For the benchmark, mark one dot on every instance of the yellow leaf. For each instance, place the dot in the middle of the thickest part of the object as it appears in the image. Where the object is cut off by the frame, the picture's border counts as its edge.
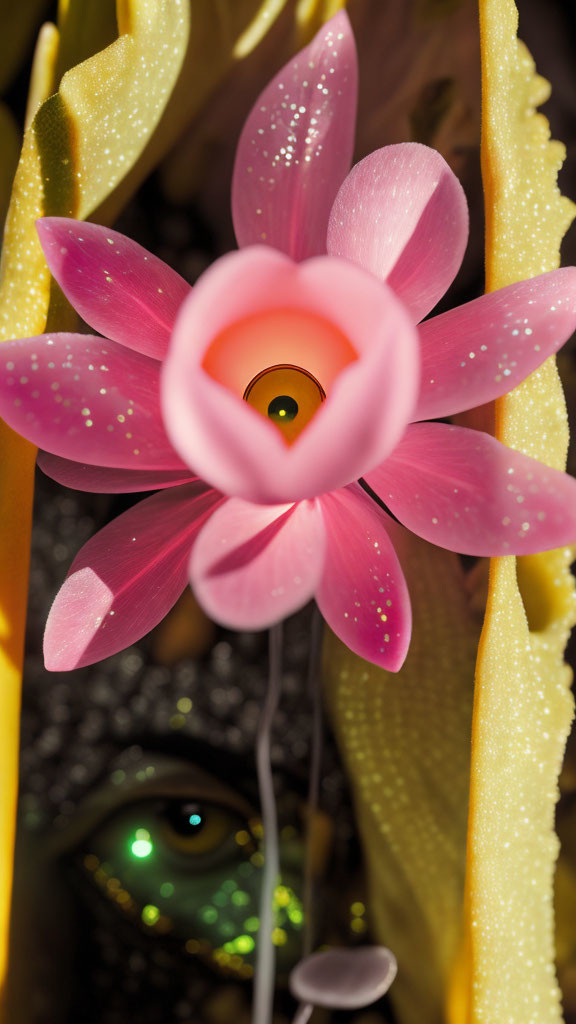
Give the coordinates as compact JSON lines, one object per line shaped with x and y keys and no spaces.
{"x":43,"y":75}
{"x":523,"y":707}
{"x":405,"y":739}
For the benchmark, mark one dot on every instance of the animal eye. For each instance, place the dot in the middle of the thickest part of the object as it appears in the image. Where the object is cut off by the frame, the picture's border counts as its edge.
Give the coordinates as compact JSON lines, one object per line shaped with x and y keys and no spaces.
{"x":191,"y":869}
{"x":288,"y":395}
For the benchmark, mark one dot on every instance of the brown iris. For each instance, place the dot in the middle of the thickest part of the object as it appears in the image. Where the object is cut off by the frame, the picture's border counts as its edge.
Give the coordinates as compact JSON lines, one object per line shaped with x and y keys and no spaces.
{"x":287,"y":395}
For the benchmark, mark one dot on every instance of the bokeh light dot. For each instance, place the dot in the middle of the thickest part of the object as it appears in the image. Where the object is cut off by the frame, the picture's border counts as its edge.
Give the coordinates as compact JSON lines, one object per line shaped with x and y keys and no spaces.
{"x":150,"y":914}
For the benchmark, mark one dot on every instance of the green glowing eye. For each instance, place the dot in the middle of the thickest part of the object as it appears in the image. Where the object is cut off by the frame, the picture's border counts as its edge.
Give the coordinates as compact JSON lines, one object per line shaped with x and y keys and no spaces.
{"x":283,"y":409}
{"x":189,"y":867}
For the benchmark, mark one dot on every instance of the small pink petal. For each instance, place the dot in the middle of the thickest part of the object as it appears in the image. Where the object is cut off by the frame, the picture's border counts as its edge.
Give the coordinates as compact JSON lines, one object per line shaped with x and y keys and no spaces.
{"x":253,"y":565}
{"x":483,"y":349}
{"x":101,"y":480}
{"x":86,"y":399}
{"x":296,"y":146}
{"x":126,"y":578}
{"x":239,"y":450}
{"x":402,"y":214}
{"x":465,"y":491}
{"x":363,"y":595}
{"x":116,"y":286}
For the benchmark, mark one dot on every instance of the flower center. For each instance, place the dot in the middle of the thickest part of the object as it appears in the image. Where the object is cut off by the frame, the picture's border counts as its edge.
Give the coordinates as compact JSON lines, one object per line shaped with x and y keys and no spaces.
{"x":288,"y":395}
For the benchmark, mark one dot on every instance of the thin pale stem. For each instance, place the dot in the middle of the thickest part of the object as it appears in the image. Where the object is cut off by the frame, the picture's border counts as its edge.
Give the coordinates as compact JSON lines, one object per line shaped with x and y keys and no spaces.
{"x":303,"y":1013}
{"x":263,"y":1000}
{"x":315,"y":691}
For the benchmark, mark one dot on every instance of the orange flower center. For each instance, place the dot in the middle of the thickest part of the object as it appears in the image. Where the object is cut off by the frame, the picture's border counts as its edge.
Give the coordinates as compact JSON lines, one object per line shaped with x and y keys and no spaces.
{"x":282,"y":362}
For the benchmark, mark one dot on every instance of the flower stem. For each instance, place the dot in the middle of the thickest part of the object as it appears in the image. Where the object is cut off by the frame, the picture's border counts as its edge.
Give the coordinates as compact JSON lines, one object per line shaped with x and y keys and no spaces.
{"x":314,"y":690}
{"x":303,"y":1013}
{"x":263,"y":1000}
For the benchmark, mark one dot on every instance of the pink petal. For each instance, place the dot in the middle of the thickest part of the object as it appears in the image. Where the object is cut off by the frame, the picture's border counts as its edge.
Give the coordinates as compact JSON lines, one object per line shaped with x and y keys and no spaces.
{"x":296,"y":146}
{"x":481,"y":350}
{"x":126,"y":578}
{"x":116,"y":286}
{"x":363,"y":595}
{"x":402,"y":214}
{"x":87,"y":399}
{"x":254,"y":565}
{"x":465,"y":491}
{"x":239,"y":450}
{"x":101,"y":480}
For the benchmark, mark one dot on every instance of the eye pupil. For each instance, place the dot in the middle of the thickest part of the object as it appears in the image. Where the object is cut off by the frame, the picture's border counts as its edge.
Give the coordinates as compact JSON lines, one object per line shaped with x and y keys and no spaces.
{"x":287,"y":395}
{"x":186,"y":818}
{"x":283,"y":409}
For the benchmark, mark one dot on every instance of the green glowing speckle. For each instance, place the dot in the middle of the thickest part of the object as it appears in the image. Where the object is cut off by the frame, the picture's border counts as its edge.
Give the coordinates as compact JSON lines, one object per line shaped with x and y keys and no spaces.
{"x":252,"y":924}
{"x":209,"y":915}
{"x":150,"y":914}
{"x":195,"y":819}
{"x":296,"y":917}
{"x":229,"y":885}
{"x":240,"y":898}
{"x":141,"y":846}
{"x":220,"y":899}
{"x":282,"y":895}
{"x":166,"y":890}
{"x":244,"y":944}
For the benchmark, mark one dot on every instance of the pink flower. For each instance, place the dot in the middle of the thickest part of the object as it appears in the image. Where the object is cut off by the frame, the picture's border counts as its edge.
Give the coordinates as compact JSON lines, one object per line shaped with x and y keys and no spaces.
{"x":290,"y":376}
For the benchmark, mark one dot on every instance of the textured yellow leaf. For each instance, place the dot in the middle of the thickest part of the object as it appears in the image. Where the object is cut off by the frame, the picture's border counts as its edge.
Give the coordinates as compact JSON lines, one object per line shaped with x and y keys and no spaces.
{"x":522,"y":707}
{"x":405,"y":739}
{"x":81,"y":143}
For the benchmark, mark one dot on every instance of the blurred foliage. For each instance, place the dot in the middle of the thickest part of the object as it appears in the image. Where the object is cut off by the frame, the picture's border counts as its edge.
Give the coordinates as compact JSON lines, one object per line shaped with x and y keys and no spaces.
{"x":19,"y":23}
{"x":405,"y":739}
{"x":419,"y":79}
{"x":10,"y":148}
